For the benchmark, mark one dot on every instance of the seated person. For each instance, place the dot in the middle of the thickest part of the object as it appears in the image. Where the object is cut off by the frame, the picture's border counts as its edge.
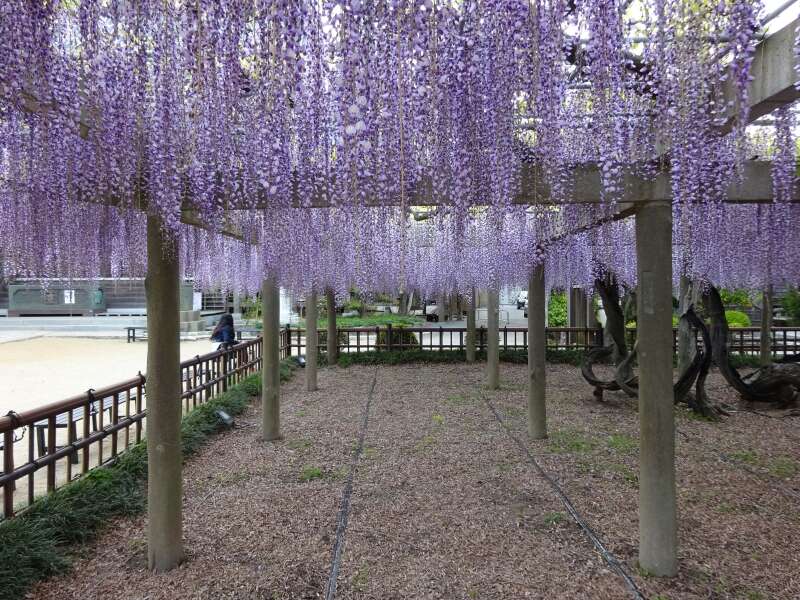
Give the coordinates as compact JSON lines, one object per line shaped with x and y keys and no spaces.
{"x":224,"y":332}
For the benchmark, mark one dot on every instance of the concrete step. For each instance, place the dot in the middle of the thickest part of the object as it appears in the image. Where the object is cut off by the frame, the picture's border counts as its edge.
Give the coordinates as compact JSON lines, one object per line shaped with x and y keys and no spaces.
{"x":189,"y":315}
{"x":70,"y":323}
{"x":193,"y":326}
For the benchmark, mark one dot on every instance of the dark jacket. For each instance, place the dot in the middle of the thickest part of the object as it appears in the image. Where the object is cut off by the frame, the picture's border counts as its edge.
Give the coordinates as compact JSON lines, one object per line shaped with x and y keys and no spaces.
{"x":224,"y":331}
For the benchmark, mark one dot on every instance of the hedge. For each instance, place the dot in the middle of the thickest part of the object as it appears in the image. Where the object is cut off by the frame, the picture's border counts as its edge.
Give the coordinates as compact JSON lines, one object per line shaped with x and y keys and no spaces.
{"x":572,"y":357}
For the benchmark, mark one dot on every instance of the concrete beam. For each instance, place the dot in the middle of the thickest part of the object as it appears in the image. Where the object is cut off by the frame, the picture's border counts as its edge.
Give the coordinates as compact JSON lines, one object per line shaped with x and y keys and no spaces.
{"x":774,"y":75}
{"x":164,"y":457}
{"x":657,"y":511}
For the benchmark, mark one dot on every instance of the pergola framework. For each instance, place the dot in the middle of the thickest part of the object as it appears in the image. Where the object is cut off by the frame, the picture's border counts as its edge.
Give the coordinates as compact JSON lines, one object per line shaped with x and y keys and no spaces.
{"x":648,"y":198}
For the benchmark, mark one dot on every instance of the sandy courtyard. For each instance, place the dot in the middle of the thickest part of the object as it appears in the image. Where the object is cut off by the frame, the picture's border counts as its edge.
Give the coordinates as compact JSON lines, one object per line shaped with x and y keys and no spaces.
{"x":46,"y":369}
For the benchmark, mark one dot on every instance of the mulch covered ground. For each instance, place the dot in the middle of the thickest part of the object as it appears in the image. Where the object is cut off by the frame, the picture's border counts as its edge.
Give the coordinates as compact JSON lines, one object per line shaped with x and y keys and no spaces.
{"x":446,"y":505}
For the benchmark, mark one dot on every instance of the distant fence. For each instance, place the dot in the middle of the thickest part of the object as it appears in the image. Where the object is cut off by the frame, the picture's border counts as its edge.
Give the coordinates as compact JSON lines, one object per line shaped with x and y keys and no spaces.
{"x":50,"y":446}
{"x":741,"y":340}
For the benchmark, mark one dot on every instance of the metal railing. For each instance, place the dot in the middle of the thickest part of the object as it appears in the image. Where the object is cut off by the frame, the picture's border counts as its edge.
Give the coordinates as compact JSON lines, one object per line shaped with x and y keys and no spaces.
{"x":366,"y":339}
{"x":51,"y":445}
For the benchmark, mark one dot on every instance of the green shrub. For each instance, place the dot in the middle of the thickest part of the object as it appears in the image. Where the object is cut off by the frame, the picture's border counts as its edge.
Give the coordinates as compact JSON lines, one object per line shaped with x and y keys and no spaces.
{"x":346,"y":359}
{"x":374,"y":320}
{"x":322,"y":338}
{"x":399,"y":336}
{"x":791,"y":305}
{"x":737,"y":318}
{"x":557,"y":310}
{"x":36,"y":544}
{"x":738,"y":297}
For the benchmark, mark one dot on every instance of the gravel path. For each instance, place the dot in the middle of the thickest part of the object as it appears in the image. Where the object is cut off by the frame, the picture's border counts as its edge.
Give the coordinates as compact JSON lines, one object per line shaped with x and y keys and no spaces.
{"x":445,"y":505}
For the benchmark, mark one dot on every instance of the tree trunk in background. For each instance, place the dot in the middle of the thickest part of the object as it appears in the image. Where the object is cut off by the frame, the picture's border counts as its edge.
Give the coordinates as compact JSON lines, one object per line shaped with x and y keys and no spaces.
{"x":402,"y":304}
{"x":686,"y":342}
{"x":766,"y":327}
{"x":333,"y":342}
{"x":471,"y":337}
{"x":493,"y":341}
{"x":440,"y":308}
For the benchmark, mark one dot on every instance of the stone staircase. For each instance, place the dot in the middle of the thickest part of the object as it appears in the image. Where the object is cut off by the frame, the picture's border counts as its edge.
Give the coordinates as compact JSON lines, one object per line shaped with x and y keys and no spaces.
{"x":192,"y":322}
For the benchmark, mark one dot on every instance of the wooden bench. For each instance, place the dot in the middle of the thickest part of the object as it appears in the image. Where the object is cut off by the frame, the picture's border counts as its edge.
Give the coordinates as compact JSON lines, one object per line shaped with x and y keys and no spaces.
{"x":132,"y":333}
{"x":62,"y":421}
{"x":251,"y":333}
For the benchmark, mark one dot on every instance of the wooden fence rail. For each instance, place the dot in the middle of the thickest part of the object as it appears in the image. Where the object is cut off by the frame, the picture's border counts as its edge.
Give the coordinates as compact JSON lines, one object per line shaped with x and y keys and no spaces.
{"x":51,"y":445}
{"x":742,"y":340}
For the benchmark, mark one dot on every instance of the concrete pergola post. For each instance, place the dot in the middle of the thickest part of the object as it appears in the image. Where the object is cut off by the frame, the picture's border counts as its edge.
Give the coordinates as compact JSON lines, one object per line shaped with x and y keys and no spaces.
{"x":333,"y":341}
{"x":493,"y":341}
{"x":657,"y":511}
{"x":471,"y":339}
{"x":164,"y":460}
{"x":311,"y":341}
{"x":270,"y":369}
{"x":766,"y":327}
{"x":537,"y":343}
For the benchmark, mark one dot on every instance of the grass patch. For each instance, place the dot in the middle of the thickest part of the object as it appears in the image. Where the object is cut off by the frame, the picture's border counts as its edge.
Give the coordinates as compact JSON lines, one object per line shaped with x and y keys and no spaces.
{"x":426,"y":443}
{"x":782,"y":467}
{"x":694,"y":416}
{"x":299,"y":444}
{"x":569,"y":440}
{"x":745,"y":456}
{"x":227,"y":479}
{"x":643,"y":573}
{"x":628,"y":474}
{"x":460,"y":400}
{"x":438,"y":420}
{"x":622,"y":443}
{"x":515,"y":411}
{"x":39,"y":542}
{"x":310,"y":473}
{"x":359,"y":581}
{"x":552,"y":519}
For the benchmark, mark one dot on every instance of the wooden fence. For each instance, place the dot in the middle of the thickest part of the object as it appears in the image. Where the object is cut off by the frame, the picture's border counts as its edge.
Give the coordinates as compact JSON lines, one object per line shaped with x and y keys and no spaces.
{"x":50,"y":446}
{"x":742,"y":340}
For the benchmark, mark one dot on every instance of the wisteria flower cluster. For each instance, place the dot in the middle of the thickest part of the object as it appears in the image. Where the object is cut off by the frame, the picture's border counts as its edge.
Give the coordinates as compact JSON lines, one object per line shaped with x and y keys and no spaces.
{"x":318,"y":128}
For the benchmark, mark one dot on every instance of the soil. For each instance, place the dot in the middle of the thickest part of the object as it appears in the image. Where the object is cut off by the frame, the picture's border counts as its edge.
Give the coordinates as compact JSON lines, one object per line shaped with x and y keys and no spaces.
{"x":446,"y":505}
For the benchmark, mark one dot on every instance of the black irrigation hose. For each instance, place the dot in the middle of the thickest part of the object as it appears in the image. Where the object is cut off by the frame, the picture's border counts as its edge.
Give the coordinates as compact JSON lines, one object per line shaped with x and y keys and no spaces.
{"x":344,"y":507}
{"x":610,"y":559}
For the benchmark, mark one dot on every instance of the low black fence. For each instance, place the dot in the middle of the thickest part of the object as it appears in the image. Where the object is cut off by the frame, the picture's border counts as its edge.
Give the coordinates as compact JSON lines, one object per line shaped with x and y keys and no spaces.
{"x":741,"y":340}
